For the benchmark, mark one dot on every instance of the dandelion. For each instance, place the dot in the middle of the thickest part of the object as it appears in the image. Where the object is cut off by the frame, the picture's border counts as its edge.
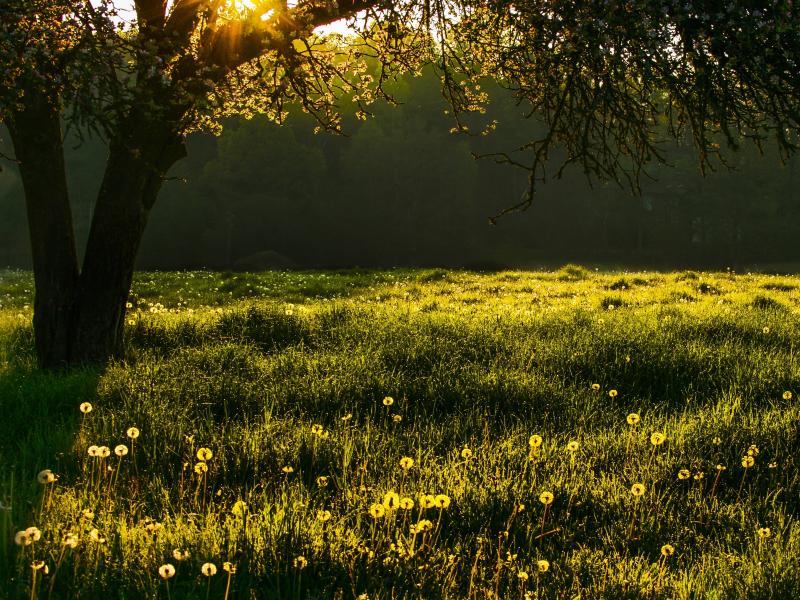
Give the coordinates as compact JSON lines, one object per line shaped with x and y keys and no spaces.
{"x":103,"y":452}
{"x":406,"y":503}
{"x":70,"y":540}
{"x":764,"y":532}
{"x":466,"y":453}
{"x":522,"y":575}
{"x":684,"y":474}
{"x":376,"y":511}
{"x":406,"y":463}
{"x":45,"y":477}
{"x":239,"y":508}
{"x":637,"y":489}
{"x":229,"y":567}
{"x":699,"y":476}
{"x":397,"y":418}
{"x":208,"y":569}
{"x":573,"y":446}
{"x":180,"y":555}
{"x":201,"y":468}
{"x":34,"y":534}
{"x":300,"y":562}
{"x":204,"y":454}
{"x":323,"y":515}
{"x":347,"y":417}
{"x":546,"y":498}
{"x":716,"y":441}
{"x":40,"y":565}
{"x":425,"y":525}
{"x":322,"y":481}
{"x":96,"y":536}
{"x":667,"y":550}
{"x":93,"y":450}
{"x":427,"y":501}
{"x":121,"y":450}
{"x":388,"y":401}
{"x":633,"y":419}
{"x":287,"y":469}
{"x":441,"y":501}
{"x":748,"y":461}
{"x":391,"y":500}
{"x":787,"y":395}
{"x":613,"y":393}
{"x":542,"y":565}
{"x":87,"y":514}
{"x":132,"y":433}
{"x":166,"y":571}
{"x":657,"y":438}
{"x":317,"y":429}
{"x":595,"y":387}
{"x":22,"y":539}
{"x":535,"y":441}
{"x":752,"y":450}
{"x":765,"y":330}
{"x":85,"y":407}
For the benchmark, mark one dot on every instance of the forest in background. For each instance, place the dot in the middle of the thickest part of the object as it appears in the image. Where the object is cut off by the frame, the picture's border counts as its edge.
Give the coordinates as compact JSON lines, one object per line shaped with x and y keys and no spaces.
{"x":402,"y":190}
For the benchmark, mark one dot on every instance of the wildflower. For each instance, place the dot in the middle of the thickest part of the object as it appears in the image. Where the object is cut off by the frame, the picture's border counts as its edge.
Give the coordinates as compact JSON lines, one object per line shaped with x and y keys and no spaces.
{"x":390,"y":500}
{"x":595,"y":387}
{"x":442,"y":501}
{"x":543,"y":565}
{"x":522,"y":575}
{"x":45,"y":477}
{"x":96,"y":536}
{"x":765,"y":330}
{"x":22,"y":539}
{"x":716,"y":441}
{"x":87,"y":514}
{"x":180,"y":554}
{"x":424,"y":525}
{"x":40,"y":565}
{"x":132,"y":433}
{"x":406,"y":463}
{"x":546,"y":498}
{"x":166,"y":571}
{"x":633,"y":419}
{"x":637,"y":489}
{"x":787,"y":395}
{"x":121,"y":450}
{"x":34,"y":534}
{"x":287,"y":469}
{"x":323,"y":515}
{"x":208,"y":569}
{"x":613,"y":393}
{"x":103,"y":452}
{"x":239,"y":508}
{"x":300,"y":562}
{"x":316,"y":429}
{"x":92,"y":450}
{"x":748,"y":461}
{"x":85,"y":407}
{"x":699,"y":475}
{"x":388,"y":401}
{"x":764,"y":532}
{"x":376,"y":511}
{"x":229,"y":567}
{"x":773,"y":465}
{"x":204,"y":454}
{"x":684,"y":474}
{"x":573,"y":446}
{"x":201,"y":468}
{"x":406,"y":503}
{"x":657,"y":438}
{"x":427,"y":501}
{"x":667,"y":550}
{"x":322,"y":481}
{"x":466,"y":453}
{"x":347,"y":417}
{"x":535,"y":441}
{"x":721,"y":467}
{"x":397,"y":418}
{"x":752,"y":450}
{"x":70,"y":540}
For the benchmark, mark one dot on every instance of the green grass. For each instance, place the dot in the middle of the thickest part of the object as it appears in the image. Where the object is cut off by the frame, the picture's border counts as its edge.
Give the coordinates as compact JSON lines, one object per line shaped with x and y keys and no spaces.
{"x":248,"y":366}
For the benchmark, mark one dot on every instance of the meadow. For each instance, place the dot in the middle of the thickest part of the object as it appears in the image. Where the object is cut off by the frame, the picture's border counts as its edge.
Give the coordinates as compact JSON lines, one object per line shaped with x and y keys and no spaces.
{"x":411,"y":434}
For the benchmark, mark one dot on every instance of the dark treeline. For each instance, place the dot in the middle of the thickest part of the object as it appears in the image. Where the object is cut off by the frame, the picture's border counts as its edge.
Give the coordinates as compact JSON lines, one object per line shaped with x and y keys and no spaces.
{"x":402,"y":190}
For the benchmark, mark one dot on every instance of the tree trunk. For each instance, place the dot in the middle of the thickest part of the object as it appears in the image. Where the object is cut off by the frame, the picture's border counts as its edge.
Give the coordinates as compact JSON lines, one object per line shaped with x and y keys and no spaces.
{"x":36,"y":134}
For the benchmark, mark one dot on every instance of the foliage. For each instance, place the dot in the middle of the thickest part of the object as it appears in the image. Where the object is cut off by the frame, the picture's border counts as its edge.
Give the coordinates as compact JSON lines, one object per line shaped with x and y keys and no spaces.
{"x":287,"y":378}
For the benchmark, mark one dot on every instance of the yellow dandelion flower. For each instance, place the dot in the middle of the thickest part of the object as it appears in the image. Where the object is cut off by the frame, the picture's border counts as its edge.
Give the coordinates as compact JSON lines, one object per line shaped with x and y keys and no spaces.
{"x":441,"y":501}
{"x":347,"y":417}
{"x":699,"y":475}
{"x":21,"y":538}
{"x":87,"y":514}
{"x":287,"y":469}
{"x":166,"y":571}
{"x":787,"y":395}
{"x":133,"y":432}
{"x":752,"y":450}
{"x":721,"y":468}
{"x":535,"y":441}
{"x":573,"y":446}
{"x":180,"y":554}
{"x":388,"y":401}
{"x":542,"y":565}
{"x":239,"y":508}
{"x":323,"y":515}
{"x":546,"y":498}
{"x":201,"y":468}
{"x":229,"y":567}
{"x":595,"y":387}
{"x":633,"y":419}
{"x":773,"y":465}
{"x":657,"y":438}
{"x":716,"y":441}
{"x":204,"y":454}
{"x":121,"y":450}
{"x":322,"y":481}
{"x":637,"y":489}
{"x":684,"y":474}
{"x":764,"y":532}
{"x":92,"y":450}
{"x":376,"y":511}
{"x":397,"y":418}
{"x":406,"y":463}
{"x":427,"y":501}
{"x":466,"y":453}
{"x":765,"y":330}
{"x":103,"y":452}
{"x":667,"y":550}
{"x":317,"y":429}
{"x":45,"y":477}
{"x":34,"y":534}
{"x":748,"y":461}
{"x":300,"y":562}
{"x":208,"y":569}
{"x":40,"y":565}
{"x":613,"y":393}
{"x":406,"y":503}
{"x":85,"y":407}
{"x":424,"y":525}
{"x":391,"y":500}
{"x":522,"y":575}
{"x":70,"y":540}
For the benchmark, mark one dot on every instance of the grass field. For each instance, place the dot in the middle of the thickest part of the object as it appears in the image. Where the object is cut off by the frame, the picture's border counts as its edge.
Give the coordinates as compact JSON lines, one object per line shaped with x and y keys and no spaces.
{"x":374,"y":435}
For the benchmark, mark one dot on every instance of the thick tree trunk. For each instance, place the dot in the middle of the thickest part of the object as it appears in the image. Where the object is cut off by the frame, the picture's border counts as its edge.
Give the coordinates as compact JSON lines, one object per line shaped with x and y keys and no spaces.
{"x":36,"y":134}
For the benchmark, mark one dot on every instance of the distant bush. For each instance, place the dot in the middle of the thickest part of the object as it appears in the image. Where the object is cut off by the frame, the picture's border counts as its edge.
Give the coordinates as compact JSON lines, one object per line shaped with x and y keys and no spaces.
{"x":570,"y":272}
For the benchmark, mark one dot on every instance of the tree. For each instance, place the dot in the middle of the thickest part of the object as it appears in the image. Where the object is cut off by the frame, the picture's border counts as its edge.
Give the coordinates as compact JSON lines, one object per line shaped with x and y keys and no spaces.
{"x":603,"y":77}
